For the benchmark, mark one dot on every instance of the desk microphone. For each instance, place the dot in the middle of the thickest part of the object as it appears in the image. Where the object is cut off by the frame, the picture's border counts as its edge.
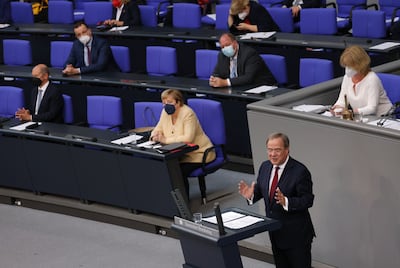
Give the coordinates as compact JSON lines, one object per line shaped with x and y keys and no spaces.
{"x":217,"y":211}
{"x":392,"y":111}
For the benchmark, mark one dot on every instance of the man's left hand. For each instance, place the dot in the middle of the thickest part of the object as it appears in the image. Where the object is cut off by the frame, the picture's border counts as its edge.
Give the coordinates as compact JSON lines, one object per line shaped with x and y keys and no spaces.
{"x":279,"y":197}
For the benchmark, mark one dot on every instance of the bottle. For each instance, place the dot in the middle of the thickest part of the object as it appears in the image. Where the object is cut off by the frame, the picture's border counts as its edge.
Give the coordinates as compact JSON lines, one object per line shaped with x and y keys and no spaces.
{"x":347,"y":114}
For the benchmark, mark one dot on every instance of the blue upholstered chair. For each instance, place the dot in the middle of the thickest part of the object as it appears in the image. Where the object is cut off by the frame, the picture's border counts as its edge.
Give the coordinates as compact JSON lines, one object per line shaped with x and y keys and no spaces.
{"x":222,"y":13}
{"x":345,"y":9}
{"x":277,"y":66}
{"x":11,"y":98}
{"x":318,"y":21}
{"x":122,"y":58}
{"x":391,"y":9}
{"x":369,"y":24}
{"x":61,"y":12}
{"x":147,"y":113}
{"x":148,"y":15}
{"x":79,"y":12}
{"x":391,"y":84}
{"x":59,"y":52}
{"x":211,"y":118}
{"x":68,"y":112}
{"x":17,"y":52}
{"x":186,"y":15}
{"x":271,"y":3}
{"x":206,"y":59}
{"x":96,"y":12}
{"x":161,"y":61}
{"x":104,"y":112}
{"x":283,"y":18}
{"x":161,"y":7}
{"x":21,"y":12}
{"x":314,"y":71}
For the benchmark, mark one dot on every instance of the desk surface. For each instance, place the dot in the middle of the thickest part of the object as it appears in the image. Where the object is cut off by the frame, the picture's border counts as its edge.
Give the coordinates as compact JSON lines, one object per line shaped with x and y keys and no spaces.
{"x":209,"y":34}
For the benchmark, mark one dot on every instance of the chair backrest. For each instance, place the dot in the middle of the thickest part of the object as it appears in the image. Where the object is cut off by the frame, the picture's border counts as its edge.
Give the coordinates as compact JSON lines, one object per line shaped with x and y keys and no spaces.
{"x":369,"y":24}
{"x":277,"y":65}
{"x":17,"y":52}
{"x":161,"y":60}
{"x":211,"y":118}
{"x":221,"y":16}
{"x":68,"y":112}
{"x":147,"y":113}
{"x":61,"y":12}
{"x":390,"y":7}
{"x":96,"y":12}
{"x":59,"y":52}
{"x":148,"y":15}
{"x":104,"y":112}
{"x":345,"y":7}
{"x":186,"y":15}
{"x":283,"y":18}
{"x":391,"y":84}
{"x":270,"y":3}
{"x":318,"y":21}
{"x":122,"y":58}
{"x":206,"y":59}
{"x":21,"y":12}
{"x":11,"y":99}
{"x":314,"y":71}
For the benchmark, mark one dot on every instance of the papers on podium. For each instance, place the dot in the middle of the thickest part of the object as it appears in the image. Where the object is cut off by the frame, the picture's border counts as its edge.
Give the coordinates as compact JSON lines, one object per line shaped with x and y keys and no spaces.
{"x":235,"y":220}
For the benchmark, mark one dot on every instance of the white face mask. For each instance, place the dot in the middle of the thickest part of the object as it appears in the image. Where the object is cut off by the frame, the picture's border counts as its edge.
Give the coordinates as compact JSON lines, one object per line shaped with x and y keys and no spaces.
{"x":84,"y":39}
{"x":350,"y":72}
{"x":242,"y":15}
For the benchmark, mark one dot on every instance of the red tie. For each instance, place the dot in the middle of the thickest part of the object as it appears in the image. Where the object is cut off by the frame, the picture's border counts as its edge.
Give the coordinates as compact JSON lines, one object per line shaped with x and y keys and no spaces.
{"x":274,"y":184}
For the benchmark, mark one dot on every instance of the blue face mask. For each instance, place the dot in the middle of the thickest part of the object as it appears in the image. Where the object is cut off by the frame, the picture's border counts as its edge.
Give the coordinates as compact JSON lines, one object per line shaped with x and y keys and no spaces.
{"x":169,"y":108}
{"x":228,"y":51}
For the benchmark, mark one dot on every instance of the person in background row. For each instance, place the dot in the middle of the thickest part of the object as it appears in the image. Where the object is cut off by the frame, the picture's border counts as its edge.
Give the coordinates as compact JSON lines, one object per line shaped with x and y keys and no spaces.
{"x":285,"y":185}
{"x":125,"y":13}
{"x":178,"y":123}
{"x":297,"y":5}
{"x":5,"y":11}
{"x":363,"y":88}
{"x":89,"y":53}
{"x":239,"y":65}
{"x":46,"y":103}
{"x":247,"y":16}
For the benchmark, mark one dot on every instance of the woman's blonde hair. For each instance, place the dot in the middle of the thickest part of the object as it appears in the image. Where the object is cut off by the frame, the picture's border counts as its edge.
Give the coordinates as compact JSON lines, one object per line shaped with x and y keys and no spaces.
{"x":356,"y":58}
{"x":175,"y":94}
{"x":237,"y":6}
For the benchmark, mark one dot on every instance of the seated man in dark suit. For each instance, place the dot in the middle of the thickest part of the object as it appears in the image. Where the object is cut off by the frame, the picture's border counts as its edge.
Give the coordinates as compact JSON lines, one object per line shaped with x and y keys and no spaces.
{"x":125,"y":13}
{"x":297,"y":5}
{"x":89,"y":53}
{"x":239,"y":65}
{"x":46,"y":103}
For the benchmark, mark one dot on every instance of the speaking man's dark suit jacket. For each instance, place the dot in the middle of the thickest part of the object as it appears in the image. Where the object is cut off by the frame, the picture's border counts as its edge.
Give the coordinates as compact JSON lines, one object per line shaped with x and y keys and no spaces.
{"x":296,"y":184}
{"x":251,"y":68}
{"x":51,"y":107}
{"x":101,"y":56}
{"x":259,"y":16}
{"x":130,"y":14}
{"x":306,"y":3}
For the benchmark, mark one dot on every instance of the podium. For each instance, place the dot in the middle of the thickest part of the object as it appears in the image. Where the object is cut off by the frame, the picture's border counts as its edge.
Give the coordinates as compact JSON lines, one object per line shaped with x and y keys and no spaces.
{"x":204,"y":247}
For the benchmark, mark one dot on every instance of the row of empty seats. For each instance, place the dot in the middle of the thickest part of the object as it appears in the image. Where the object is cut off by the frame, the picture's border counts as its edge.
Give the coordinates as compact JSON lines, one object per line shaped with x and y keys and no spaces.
{"x":162,"y":61}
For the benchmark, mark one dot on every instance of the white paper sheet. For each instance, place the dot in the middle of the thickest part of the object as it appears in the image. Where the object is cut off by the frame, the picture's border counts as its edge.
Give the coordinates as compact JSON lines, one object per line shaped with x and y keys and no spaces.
{"x":23,"y":126}
{"x":257,"y":35}
{"x":310,"y":108}
{"x":385,"y":45}
{"x":261,"y":89}
{"x":4,"y":25}
{"x":122,"y":28}
{"x":392,"y":124}
{"x":234,"y":220}
{"x":127,"y":139}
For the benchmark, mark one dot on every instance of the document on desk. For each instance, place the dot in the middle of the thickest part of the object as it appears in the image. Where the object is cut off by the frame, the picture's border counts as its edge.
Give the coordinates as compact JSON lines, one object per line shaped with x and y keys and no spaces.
{"x":116,"y":29}
{"x":257,"y":35}
{"x":4,"y":25}
{"x":127,"y":139}
{"x":23,"y":126}
{"x":392,"y":124}
{"x":260,"y":89}
{"x":385,"y":45}
{"x":311,"y":108}
{"x":235,"y":220}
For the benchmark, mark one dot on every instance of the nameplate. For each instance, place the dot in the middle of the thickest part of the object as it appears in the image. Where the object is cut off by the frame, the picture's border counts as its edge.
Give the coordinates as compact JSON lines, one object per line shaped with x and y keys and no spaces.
{"x":196,"y":227}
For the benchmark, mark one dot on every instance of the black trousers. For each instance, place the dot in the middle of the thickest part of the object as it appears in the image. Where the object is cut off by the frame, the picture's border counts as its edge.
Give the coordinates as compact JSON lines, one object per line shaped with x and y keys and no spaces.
{"x":299,"y":257}
{"x":186,"y":169}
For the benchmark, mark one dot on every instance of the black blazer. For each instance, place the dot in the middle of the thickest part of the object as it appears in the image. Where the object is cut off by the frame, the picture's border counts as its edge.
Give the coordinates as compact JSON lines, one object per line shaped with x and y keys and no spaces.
{"x":259,"y":16}
{"x":306,"y":3}
{"x":51,"y":107}
{"x":101,"y":56}
{"x":251,"y":68}
{"x":296,"y":184}
{"x":130,"y":14}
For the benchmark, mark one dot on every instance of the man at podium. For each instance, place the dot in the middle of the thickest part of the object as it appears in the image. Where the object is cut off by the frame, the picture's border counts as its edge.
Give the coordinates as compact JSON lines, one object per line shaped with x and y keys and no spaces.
{"x":286,"y":186}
